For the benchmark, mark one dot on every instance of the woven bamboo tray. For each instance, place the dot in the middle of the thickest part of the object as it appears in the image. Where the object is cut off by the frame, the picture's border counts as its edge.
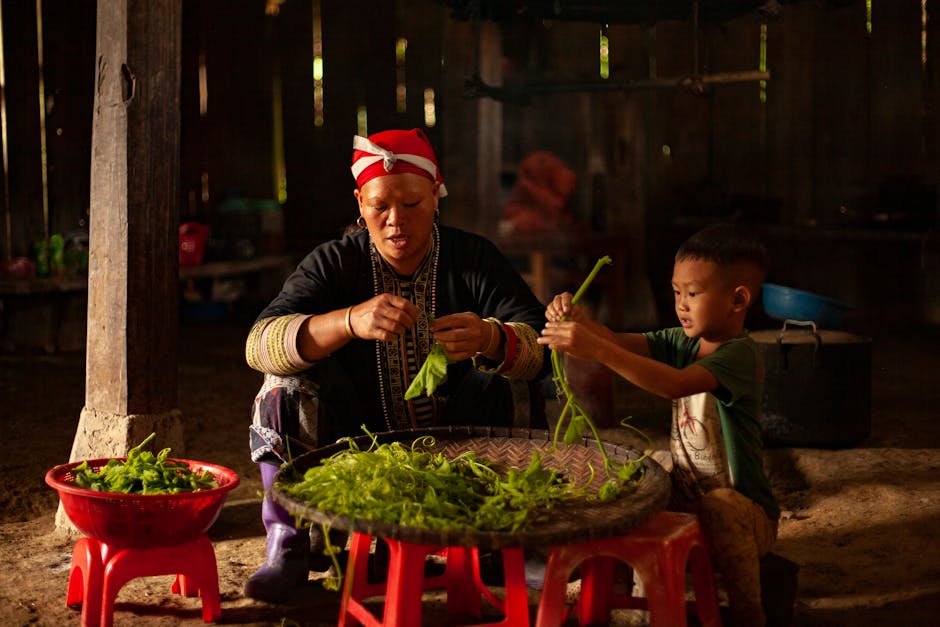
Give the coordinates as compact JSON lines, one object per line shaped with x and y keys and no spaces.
{"x":578,"y":520}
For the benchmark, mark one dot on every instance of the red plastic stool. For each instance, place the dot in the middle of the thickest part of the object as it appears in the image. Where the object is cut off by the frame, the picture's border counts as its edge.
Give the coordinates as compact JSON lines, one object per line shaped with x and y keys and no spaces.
{"x":406,"y":582}
{"x":98,"y":573}
{"x":658,"y":552}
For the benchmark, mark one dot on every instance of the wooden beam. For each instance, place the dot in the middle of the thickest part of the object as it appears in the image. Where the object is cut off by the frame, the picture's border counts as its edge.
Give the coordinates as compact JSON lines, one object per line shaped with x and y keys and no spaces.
{"x":131,"y":370}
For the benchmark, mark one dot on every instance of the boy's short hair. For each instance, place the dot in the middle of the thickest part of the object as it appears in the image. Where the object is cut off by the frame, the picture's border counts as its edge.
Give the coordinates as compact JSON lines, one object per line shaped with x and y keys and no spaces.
{"x":729,"y":246}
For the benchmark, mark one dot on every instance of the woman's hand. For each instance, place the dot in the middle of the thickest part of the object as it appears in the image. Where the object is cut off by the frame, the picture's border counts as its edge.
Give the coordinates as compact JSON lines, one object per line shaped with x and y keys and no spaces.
{"x":384,"y":317}
{"x":464,"y":335}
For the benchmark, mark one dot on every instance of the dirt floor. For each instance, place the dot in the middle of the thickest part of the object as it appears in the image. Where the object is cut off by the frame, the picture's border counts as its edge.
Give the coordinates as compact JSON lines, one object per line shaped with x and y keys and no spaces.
{"x":863,"y":523}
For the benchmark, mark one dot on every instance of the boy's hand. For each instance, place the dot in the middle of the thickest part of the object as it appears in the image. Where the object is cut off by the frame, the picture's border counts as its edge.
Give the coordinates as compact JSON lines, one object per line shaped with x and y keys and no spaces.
{"x":560,"y":307}
{"x":575,"y":338}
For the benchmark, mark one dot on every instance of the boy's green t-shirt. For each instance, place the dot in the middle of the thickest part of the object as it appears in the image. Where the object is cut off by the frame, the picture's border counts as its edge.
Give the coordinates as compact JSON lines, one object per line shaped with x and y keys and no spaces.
{"x":716,"y":436}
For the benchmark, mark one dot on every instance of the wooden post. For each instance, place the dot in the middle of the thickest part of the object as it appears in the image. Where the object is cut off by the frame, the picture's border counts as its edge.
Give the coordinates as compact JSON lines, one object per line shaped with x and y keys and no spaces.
{"x":490,"y":135}
{"x":133,"y":274}
{"x":471,"y":132}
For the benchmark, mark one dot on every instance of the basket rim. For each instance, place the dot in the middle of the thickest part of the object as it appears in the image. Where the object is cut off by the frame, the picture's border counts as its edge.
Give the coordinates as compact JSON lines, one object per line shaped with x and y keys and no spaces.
{"x":227,"y":478}
{"x":616,"y":518}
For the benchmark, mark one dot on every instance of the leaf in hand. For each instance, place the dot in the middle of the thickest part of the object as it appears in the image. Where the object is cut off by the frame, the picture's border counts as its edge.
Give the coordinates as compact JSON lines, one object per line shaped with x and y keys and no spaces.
{"x":433,"y":372}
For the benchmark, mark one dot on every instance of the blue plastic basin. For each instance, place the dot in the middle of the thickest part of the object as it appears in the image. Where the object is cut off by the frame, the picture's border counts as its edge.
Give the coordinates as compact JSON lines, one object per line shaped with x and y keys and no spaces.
{"x":786,"y":303}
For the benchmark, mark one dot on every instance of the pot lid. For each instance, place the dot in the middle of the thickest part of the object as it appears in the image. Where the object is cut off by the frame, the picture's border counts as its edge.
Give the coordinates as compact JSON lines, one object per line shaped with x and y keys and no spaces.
{"x":806,"y":336}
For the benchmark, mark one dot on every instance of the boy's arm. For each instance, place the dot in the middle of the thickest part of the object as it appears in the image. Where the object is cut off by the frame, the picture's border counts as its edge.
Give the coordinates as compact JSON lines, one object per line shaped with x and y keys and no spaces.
{"x":627,"y":355}
{"x":656,"y":377}
{"x":634,"y":342}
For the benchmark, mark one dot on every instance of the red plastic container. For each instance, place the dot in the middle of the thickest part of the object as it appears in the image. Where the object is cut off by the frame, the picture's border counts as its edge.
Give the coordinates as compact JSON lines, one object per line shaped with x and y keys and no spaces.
{"x":193,"y":237}
{"x":141,"y":520}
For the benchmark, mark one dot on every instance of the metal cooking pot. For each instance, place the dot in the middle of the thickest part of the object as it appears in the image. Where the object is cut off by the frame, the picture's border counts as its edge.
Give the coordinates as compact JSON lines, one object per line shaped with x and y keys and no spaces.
{"x":817,"y":390}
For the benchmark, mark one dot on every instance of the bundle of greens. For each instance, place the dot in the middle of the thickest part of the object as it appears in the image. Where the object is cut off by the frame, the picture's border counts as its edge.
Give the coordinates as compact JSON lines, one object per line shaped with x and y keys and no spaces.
{"x":412,"y":486}
{"x":408,"y":485}
{"x":143,"y":473}
{"x":575,"y":419}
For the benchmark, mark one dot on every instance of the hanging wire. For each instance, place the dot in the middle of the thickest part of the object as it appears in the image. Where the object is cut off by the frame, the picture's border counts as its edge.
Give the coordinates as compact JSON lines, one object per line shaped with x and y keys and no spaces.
{"x":317,"y":65}
{"x":430,"y":109}
{"x":277,"y":144}
{"x":605,"y":52}
{"x":42,"y":123}
{"x":923,"y":33}
{"x":362,"y":121}
{"x":401,"y":80}
{"x":203,"y":114}
{"x":762,"y":63}
{"x":8,"y":218}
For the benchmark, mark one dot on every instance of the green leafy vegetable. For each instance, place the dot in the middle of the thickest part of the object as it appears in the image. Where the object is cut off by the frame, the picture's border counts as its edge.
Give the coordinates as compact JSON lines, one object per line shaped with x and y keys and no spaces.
{"x":402,"y":484}
{"x":578,"y":419}
{"x":143,"y":473}
{"x":409,"y":485}
{"x":433,"y":372}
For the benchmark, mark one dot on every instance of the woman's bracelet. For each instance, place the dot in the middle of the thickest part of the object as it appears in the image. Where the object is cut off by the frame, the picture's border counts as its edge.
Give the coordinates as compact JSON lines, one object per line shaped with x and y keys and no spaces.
{"x":494,"y":336}
{"x":349,"y":330}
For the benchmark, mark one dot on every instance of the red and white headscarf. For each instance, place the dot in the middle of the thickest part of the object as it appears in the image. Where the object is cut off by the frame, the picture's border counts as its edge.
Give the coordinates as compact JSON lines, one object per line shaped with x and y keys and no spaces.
{"x":395,"y":152}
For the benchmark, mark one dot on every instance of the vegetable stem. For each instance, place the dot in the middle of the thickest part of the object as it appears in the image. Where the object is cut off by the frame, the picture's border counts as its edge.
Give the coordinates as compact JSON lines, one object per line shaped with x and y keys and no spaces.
{"x":578,"y":417}
{"x":603,"y":261}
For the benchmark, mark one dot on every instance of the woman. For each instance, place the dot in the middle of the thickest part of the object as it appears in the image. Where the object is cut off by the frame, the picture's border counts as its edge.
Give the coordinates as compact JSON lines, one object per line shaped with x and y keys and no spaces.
{"x":352,"y":325}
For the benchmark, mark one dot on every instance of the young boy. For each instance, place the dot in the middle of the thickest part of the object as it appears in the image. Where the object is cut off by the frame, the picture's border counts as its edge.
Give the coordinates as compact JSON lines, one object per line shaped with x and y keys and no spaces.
{"x":712,"y":371}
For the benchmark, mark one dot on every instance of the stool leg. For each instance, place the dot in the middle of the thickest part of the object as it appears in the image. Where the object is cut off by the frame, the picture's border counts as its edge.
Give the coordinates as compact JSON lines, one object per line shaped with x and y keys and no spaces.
{"x":516,"y":607}
{"x":403,"y":587}
{"x":113,"y":580}
{"x":562,"y":560}
{"x":703,"y":582}
{"x":85,"y":580}
{"x":193,"y":561}
{"x":206,"y":575}
{"x":663,"y":577}
{"x":458,"y":579}
{"x":357,"y":587}
{"x":405,"y":583}
{"x":198,"y":574}
{"x":200,"y":577}
{"x":597,"y":587}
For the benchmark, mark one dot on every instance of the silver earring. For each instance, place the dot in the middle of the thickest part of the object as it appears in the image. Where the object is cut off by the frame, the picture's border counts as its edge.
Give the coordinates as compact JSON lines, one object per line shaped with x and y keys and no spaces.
{"x":437,"y":215}
{"x":360,"y":222}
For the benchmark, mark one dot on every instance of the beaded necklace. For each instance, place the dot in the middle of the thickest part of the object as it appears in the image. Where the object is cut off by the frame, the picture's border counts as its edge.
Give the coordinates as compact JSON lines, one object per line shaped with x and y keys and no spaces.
{"x":382,"y":274}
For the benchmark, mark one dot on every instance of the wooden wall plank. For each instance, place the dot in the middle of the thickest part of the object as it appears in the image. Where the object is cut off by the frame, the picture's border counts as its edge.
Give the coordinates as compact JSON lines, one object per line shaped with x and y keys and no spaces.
{"x":790,"y":120}
{"x":69,"y":71}
{"x":738,"y":124}
{"x":841,"y":114}
{"x":932,"y":99}
{"x":22,"y":97}
{"x":896,"y":91}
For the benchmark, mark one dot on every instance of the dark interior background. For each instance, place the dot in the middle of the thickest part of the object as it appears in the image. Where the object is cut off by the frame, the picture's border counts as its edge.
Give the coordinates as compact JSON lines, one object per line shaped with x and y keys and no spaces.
{"x":834,"y":159}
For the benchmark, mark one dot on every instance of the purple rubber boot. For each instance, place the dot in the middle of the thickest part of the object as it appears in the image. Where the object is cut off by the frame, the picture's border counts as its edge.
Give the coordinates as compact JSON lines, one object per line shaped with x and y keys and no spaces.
{"x":285,"y":568}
